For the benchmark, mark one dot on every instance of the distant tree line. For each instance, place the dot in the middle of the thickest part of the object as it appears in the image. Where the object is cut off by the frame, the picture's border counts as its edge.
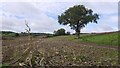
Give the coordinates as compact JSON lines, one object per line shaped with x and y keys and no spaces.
{"x":14,"y":34}
{"x":8,"y":33}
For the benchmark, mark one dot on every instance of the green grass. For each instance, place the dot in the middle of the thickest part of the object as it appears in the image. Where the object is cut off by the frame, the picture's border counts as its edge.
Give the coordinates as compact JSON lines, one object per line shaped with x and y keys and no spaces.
{"x":104,"y":39}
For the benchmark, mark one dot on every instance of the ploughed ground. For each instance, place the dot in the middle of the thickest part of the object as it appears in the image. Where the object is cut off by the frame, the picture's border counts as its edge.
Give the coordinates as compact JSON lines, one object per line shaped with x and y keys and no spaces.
{"x":55,"y":51}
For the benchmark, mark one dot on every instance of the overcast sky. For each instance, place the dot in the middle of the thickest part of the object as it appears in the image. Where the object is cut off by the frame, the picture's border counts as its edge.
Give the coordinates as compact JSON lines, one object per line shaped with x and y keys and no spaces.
{"x":43,"y":16}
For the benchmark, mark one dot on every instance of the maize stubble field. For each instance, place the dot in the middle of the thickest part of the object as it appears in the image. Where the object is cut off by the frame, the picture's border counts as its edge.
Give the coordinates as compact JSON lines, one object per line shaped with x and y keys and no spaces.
{"x":56,"y":51}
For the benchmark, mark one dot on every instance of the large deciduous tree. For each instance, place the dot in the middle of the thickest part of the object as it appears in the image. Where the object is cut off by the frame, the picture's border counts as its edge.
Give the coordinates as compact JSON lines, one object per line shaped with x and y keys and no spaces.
{"x":78,"y":17}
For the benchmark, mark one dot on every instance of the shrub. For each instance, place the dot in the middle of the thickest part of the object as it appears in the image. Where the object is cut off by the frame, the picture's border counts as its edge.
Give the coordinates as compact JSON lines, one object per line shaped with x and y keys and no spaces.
{"x":60,"y":32}
{"x":16,"y":34}
{"x":68,"y":33}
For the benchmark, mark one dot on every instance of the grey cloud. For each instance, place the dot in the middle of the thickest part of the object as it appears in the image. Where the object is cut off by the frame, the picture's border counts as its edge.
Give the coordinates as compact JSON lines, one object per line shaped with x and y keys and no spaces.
{"x":36,"y":15}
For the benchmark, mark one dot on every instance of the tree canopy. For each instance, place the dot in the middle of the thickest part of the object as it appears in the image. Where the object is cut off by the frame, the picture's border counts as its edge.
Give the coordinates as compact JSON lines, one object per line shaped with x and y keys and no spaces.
{"x":78,"y":17}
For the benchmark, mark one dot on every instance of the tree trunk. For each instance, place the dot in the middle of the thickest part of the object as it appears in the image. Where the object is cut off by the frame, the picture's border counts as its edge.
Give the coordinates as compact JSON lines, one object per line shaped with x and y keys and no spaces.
{"x":78,"y":31}
{"x":78,"y":34}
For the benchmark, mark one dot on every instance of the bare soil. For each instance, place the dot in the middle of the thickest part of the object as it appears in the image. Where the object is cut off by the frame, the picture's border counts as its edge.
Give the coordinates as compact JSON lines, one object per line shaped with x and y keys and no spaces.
{"x":56,"y":51}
